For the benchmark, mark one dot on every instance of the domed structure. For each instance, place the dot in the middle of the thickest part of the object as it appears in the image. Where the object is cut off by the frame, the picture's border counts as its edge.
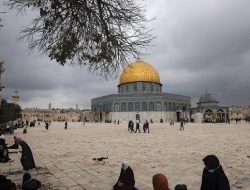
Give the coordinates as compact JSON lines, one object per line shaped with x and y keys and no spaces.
{"x":206,"y":98}
{"x":209,"y":110}
{"x":139,"y":77}
{"x":140,"y":98}
{"x":139,"y":71}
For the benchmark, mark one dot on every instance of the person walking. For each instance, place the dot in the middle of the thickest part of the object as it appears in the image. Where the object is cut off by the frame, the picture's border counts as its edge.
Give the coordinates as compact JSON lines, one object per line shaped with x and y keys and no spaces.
{"x":66,"y":125}
{"x":138,"y":127}
{"x":182,"y":125}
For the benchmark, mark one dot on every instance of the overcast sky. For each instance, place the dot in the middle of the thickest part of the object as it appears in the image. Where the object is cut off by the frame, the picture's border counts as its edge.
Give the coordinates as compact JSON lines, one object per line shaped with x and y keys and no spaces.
{"x":199,"y":46}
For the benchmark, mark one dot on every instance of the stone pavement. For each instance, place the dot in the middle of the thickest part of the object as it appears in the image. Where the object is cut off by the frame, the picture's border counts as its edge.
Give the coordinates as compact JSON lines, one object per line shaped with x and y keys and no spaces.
{"x":65,"y":157}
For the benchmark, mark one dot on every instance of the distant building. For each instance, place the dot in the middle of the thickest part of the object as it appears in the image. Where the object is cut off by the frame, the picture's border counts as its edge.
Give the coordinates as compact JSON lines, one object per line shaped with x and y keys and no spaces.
{"x":239,"y":112}
{"x":15,"y":98}
{"x":140,"y":98}
{"x":49,"y":107}
{"x":208,"y":110}
{"x":70,"y":115}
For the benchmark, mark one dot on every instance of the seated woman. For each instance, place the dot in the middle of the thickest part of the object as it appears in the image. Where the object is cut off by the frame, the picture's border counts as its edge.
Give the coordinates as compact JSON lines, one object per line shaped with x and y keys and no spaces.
{"x":4,"y":153}
{"x":213,"y":177}
{"x":160,"y":182}
{"x":27,"y":159}
{"x":126,"y":180}
{"x":180,"y":187}
{"x":6,"y":184}
{"x":29,"y":183}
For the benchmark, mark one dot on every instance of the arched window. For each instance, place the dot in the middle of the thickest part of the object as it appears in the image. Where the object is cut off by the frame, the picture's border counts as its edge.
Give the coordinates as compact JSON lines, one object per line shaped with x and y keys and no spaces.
{"x":151,"y":106}
{"x":124,"y":89}
{"x":144,"y":106}
{"x":130,"y":87}
{"x":124,"y":107}
{"x":165,"y":106}
{"x":117,"y":107}
{"x":135,"y":87}
{"x":158,"y":106}
{"x":137,"y":106}
{"x":170,"y":106}
{"x":130,"y":106}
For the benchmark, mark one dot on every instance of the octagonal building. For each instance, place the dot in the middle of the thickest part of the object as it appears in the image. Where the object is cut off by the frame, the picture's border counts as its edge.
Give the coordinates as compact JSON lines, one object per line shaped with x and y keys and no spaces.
{"x":140,"y":98}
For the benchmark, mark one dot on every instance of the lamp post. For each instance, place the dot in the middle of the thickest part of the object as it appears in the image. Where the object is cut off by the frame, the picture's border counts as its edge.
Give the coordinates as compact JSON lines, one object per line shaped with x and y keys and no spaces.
{"x":1,"y":86}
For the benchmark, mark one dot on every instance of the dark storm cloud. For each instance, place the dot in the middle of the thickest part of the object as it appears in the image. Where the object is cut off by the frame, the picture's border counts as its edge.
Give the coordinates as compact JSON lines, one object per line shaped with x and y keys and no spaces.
{"x":204,"y":45}
{"x":39,"y":80}
{"x":199,"y":46}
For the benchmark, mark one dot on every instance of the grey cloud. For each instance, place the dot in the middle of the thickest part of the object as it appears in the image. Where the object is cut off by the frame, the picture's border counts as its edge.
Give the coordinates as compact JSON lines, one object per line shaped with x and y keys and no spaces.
{"x":199,"y":46}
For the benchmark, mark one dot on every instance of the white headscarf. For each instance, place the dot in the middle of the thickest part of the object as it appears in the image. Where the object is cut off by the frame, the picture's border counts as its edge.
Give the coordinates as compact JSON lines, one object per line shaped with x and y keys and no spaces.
{"x":125,"y":165}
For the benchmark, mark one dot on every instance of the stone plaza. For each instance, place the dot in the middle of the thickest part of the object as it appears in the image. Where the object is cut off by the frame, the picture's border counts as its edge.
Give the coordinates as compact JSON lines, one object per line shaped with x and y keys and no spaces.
{"x":64,"y":158}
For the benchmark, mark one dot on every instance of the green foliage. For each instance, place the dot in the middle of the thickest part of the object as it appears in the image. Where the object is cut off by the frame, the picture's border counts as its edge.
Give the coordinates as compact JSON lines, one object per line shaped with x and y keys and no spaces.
{"x":9,"y":111}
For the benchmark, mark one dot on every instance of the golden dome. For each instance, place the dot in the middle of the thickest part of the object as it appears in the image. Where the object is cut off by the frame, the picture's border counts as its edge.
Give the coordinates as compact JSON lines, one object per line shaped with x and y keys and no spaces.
{"x":139,"y":71}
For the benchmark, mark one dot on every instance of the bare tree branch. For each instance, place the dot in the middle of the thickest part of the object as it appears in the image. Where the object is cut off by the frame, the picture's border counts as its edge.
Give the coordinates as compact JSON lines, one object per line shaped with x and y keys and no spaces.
{"x":101,"y":34}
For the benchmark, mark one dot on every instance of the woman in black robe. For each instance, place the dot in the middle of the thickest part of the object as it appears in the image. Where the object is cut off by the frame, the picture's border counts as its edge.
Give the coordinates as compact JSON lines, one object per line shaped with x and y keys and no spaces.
{"x":126,"y":179}
{"x":27,"y":159}
{"x":30,"y":183}
{"x":4,"y":153}
{"x":213,"y":177}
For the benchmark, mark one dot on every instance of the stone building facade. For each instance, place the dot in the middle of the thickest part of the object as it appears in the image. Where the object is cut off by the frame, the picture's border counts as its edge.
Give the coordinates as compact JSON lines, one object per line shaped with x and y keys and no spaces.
{"x":59,"y":115}
{"x":208,"y":110}
{"x":140,"y":98}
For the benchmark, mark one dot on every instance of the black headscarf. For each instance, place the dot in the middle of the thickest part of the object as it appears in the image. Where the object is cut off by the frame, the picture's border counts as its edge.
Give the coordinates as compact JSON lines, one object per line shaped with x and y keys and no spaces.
{"x":26,"y":177}
{"x":29,"y":183}
{"x":213,"y":177}
{"x":180,"y":187}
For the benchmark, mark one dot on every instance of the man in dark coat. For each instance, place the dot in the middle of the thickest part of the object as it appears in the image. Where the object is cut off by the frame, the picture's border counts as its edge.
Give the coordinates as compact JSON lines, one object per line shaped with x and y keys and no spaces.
{"x":65,"y":125}
{"x":138,"y":127}
{"x":126,"y":179}
{"x":46,"y":125}
{"x":27,"y":159}
{"x":213,"y":177}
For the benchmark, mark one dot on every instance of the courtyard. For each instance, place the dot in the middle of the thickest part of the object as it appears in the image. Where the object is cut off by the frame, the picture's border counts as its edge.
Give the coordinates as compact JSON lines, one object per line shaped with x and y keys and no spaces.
{"x":64,"y":158}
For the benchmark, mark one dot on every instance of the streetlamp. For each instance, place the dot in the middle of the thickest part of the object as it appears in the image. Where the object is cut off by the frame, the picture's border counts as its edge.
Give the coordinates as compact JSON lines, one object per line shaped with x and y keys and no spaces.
{"x":1,"y":86}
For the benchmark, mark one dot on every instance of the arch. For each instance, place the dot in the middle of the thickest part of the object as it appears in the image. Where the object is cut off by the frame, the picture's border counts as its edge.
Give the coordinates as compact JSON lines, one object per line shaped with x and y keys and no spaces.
{"x":170,"y":106}
{"x":220,"y":110}
{"x":137,"y":106}
{"x":159,"y":106}
{"x":208,"y":116}
{"x":174,"y":107}
{"x":151,"y":106}
{"x":144,"y":106}
{"x":208,"y":111}
{"x":165,"y":106}
{"x":123,"y":107}
{"x":130,"y":106}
